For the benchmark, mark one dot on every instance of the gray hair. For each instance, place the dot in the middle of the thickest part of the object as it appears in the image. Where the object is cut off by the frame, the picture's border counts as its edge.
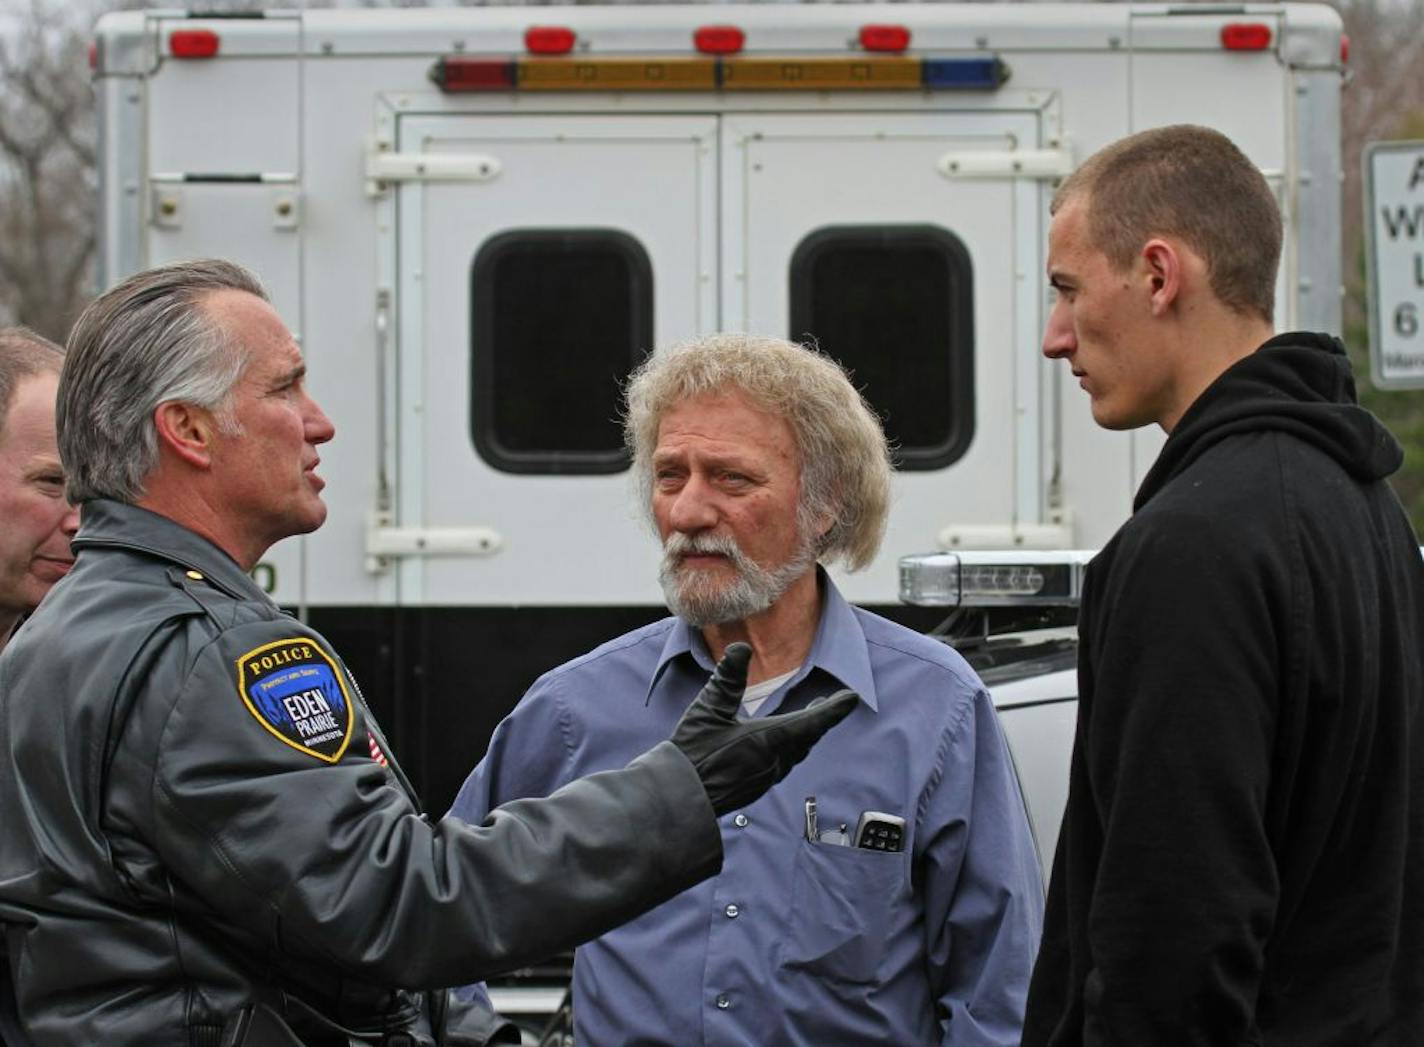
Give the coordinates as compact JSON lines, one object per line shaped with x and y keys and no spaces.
{"x":145,"y":342}
{"x":22,"y":354}
{"x":845,"y":461}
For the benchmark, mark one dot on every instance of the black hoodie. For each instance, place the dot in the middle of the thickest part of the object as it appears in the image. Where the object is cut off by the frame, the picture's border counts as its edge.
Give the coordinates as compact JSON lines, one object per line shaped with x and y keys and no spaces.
{"x":1242,"y":856}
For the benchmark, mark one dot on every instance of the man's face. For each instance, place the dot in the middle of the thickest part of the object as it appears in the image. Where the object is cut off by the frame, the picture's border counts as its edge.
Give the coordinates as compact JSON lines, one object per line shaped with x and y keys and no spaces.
{"x":36,"y":522}
{"x":726,"y":486}
{"x":1101,"y":324}
{"x":268,"y":466}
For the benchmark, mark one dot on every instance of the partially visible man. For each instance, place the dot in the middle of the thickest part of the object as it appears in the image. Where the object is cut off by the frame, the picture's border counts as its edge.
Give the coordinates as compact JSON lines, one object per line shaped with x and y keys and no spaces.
{"x":198,"y":847}
{"x":1242,"y":855}
{"x":756,"y":459}
{"x":36,"y":522}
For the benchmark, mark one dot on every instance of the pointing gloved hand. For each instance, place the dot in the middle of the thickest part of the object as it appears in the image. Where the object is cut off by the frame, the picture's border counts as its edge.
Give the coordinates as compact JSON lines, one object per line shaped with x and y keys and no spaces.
{"x":738,"y":760}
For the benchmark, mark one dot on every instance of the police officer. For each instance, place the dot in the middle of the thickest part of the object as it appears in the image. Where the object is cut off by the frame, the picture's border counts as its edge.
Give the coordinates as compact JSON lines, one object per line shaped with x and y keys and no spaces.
{"x":200,"y":847}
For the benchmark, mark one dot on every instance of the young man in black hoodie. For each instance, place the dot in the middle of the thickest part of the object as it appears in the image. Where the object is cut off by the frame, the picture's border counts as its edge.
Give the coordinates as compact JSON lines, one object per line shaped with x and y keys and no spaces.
{"x":1242,"y":857}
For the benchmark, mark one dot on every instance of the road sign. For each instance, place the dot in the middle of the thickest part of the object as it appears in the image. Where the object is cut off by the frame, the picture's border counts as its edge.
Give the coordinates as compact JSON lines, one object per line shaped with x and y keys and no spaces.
{"x":1394,"y":227}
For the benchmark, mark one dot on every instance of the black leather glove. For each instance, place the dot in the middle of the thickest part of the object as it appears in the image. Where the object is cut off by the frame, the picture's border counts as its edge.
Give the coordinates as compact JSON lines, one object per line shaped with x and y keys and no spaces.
{"x":468,"y":1023}
{"x":738,"y":760}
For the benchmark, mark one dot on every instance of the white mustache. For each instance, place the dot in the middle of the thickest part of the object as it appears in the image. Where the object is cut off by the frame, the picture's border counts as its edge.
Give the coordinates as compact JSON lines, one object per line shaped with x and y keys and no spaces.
{"x":679,"y":545}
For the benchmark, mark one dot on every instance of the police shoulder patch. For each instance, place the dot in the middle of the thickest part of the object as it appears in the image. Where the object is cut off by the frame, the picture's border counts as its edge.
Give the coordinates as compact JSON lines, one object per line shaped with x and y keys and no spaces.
{"x":296,"y":691}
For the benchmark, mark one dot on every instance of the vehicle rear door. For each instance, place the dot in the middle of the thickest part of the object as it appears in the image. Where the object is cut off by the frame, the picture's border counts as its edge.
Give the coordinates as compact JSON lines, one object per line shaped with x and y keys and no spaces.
{"x":524,"y":301}
{"x":856,"y":230}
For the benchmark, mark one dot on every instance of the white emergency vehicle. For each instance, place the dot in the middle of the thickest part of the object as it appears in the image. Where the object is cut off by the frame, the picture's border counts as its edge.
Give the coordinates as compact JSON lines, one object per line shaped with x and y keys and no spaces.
{"x":478,"y":220}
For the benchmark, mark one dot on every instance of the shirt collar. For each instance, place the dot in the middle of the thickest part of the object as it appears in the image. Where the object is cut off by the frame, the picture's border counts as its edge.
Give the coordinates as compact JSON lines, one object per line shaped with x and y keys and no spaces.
{"x":105,"y":523}
{"x":839,"y":647}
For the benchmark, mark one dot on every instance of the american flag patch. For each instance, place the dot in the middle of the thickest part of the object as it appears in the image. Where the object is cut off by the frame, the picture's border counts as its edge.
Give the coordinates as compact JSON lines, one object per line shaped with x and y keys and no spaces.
{"x":376,"y":753}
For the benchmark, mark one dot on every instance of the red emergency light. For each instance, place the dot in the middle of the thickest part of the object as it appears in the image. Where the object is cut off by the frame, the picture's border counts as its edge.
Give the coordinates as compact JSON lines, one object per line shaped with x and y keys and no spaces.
{"x":456,"y":74}
{"x":549,"y":40}
{"x":193,"y":43}
{"x":1246,"y":36}
{"x":719,"y":39}
{"x":892,"y":38}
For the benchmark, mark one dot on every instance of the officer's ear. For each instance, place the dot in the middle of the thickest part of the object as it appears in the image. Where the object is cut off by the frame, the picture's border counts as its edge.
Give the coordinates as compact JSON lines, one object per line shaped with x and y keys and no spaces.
{"x":186,"y":431}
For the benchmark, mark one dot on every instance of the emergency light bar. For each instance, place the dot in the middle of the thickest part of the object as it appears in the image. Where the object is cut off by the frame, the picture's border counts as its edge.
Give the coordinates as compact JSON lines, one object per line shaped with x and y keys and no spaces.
{"x":615,"y":74}
{"x":818,"y":74}
{"x":994,"y":579}
{"x":460,"y":73}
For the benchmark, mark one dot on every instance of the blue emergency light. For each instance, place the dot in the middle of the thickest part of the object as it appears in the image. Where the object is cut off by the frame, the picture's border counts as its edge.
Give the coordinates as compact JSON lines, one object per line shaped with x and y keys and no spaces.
{"x":965,"y":74}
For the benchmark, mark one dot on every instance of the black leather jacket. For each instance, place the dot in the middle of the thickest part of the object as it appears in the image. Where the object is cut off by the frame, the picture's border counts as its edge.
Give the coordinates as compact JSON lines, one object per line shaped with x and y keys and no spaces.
{"x":193,"y":821}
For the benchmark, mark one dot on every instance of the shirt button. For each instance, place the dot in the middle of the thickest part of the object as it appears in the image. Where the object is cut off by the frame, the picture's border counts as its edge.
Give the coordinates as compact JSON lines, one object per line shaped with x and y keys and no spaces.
{"x":723,"y":1001}
{"x":732,"y":912}
{"x":740,"y":821}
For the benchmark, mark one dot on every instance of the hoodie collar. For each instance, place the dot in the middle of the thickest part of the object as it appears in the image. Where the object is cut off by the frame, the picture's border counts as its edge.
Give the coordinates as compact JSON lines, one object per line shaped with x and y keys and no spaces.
{"x":1297,"y":383}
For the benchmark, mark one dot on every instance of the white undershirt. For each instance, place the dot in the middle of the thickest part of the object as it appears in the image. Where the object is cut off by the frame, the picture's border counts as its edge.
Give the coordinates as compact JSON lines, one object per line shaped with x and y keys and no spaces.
{"x":757,"y":693}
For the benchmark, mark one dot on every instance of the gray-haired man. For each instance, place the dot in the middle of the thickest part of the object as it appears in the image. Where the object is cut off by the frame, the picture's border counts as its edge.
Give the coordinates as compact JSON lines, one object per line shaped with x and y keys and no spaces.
{"x":200,"y":848}
{"x":758,"y":461}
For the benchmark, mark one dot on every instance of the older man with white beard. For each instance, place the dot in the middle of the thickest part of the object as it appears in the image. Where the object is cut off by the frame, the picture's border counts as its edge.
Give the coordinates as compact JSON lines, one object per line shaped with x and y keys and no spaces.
{"x":758,"y":460}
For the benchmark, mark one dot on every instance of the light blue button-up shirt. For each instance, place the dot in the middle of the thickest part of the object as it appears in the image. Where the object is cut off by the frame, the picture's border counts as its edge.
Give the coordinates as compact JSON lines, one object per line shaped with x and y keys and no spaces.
{"x":800,"y":943}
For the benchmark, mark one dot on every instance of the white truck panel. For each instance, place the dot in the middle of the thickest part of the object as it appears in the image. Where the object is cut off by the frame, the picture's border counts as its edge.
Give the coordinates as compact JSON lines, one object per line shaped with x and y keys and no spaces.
{"x":244,"y":120}
{"x":719,"y":202}
{"x":881,"y":169}
{"x":565,"y":539}
{"x":343,"y":273}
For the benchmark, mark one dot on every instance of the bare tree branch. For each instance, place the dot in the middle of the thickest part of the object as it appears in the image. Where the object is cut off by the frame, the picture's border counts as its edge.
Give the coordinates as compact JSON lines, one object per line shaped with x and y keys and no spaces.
{"x":47,"y":157}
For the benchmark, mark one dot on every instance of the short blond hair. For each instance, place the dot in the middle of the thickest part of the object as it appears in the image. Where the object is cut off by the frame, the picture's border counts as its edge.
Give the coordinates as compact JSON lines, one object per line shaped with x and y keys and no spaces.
{"x":1193,"y":183}
{"x":844,"y":459}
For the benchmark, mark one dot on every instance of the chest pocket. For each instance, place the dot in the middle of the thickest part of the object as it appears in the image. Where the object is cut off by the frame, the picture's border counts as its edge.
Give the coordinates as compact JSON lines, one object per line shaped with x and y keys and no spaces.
{"x":841,"y":904}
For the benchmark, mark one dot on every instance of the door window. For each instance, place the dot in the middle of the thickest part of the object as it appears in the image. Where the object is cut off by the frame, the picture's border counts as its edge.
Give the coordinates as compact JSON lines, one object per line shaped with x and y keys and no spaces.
{"x":894,"y":304}
{"x":559,"y":318}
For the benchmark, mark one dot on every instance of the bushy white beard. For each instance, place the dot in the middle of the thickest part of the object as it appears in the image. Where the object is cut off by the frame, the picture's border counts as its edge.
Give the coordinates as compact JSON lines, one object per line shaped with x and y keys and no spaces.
{"x":704,"y":598}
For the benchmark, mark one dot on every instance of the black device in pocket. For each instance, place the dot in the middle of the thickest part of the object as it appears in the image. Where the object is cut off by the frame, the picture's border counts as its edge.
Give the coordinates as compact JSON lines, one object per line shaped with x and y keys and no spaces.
{"x":878,"y":831}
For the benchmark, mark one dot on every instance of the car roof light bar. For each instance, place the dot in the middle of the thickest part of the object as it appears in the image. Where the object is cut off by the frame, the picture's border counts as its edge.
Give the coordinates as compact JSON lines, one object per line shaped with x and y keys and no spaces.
{"x":997,"y":579}
{"x":994,"y":579}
